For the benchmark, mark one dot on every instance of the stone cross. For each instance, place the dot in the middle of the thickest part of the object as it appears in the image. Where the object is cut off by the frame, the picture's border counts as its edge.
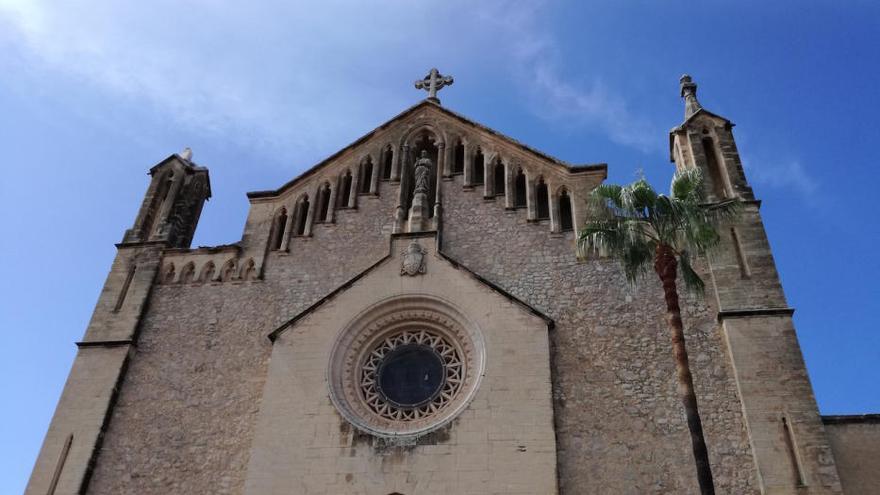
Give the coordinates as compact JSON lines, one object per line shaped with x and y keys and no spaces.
{"x":434,"y":82}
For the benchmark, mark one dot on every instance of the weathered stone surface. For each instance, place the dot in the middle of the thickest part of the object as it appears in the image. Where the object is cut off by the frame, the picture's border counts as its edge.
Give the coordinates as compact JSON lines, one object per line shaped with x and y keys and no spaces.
{"x":204,"y":406}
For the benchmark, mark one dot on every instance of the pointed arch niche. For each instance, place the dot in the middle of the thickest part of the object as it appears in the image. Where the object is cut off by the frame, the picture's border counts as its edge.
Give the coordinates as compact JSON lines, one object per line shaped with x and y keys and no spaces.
{"x":421,"y":139}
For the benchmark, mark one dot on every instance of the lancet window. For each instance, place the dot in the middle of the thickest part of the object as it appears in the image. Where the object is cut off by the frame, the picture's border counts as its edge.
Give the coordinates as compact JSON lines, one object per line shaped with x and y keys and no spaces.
{"x":542,"y":198}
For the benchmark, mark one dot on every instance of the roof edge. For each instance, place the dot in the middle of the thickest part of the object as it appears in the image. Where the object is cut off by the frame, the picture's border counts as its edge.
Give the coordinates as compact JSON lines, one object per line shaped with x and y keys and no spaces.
{"x":837,"y":419}
{"x":573,"y":169}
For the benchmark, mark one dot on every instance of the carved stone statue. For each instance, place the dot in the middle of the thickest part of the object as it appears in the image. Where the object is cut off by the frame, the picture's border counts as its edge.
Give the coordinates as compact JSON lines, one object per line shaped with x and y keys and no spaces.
{"x":423,"y":173}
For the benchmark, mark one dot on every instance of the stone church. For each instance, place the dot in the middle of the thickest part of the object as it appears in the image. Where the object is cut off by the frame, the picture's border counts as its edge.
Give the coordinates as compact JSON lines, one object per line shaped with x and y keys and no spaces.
{"x":411,"y":316}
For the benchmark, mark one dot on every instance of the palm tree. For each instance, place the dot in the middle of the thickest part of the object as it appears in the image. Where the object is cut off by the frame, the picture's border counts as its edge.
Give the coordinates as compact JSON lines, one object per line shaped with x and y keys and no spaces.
{"x":641,"y":228}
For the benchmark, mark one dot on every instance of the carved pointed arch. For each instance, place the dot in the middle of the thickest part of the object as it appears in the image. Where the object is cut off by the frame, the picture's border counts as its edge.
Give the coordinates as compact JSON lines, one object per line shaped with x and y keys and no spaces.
{"x":168,"y":274}
{"x":187,"y":273}
{"x":207,"y":273}
{"x":249,"y":270}
{"x":228,"y":272}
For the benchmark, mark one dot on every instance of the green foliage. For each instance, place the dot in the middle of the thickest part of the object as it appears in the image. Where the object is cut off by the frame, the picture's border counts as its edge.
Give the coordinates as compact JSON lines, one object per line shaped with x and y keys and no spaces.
{"x":630,"y":222}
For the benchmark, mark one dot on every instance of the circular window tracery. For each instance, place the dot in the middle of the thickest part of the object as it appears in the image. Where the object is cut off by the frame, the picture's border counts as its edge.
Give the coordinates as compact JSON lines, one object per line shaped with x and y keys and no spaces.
{"x":405,"y":367}
{"x":410,"y":375}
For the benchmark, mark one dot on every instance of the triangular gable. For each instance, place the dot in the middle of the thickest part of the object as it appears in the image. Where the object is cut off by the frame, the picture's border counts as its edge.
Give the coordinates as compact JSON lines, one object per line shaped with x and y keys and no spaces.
{"x":449,"y":113}
{"x":452,"y":262}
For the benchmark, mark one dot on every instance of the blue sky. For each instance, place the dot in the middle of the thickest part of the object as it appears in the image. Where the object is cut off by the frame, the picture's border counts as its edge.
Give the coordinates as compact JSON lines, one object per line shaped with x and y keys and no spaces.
{"x":92,"y":94}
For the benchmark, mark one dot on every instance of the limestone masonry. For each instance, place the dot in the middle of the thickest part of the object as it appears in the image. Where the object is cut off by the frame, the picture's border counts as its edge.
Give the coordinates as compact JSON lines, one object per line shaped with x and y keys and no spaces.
{"x":411,"y":317}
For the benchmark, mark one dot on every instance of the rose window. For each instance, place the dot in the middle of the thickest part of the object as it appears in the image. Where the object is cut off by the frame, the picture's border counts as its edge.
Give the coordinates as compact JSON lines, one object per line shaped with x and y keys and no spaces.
{"x":405,"y":367}
{"x":410,"y":375}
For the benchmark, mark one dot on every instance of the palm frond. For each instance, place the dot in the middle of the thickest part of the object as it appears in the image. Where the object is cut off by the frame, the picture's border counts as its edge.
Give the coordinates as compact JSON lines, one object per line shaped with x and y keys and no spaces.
{"x":638,"y":197}
{"x":692,"y":280}
{"x":687,"y":185}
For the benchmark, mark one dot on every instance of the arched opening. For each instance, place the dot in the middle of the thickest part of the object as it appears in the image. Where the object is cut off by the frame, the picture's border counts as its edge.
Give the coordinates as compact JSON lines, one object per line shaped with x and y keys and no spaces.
{"x":228,"y":271}
{"x":249,"y":272}
{"x":425,"y":140}
{"x":500,"y":178}
{"x":519,"y":187}
{"x":278,"y":230}
{"x":344,"y":190}
{"x":207,"y":272}
{"x":387,"y":160}
{"x":543,"y":200}
{"x":323,"y":203}
{"x":566,"y":221}
{"x":159,"y":197}
{"x":187,"y":274}
{"x":715,"y":172}
{"x":168,"y":276}
{"x":458,"y":158}
{"x":366,"y":176}
{"x":302,"y":214}
{"x":479,"y":171}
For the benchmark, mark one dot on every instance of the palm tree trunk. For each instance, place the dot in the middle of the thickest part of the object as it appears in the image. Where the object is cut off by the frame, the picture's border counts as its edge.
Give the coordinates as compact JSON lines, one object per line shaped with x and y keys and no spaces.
{"x":666,"y":267}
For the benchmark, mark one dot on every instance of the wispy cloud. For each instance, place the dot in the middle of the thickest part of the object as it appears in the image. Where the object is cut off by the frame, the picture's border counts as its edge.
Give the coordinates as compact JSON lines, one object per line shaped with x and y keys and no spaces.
{"x":784,"y":174}
{"x":559,"y":95}
{"x":299,"y":77}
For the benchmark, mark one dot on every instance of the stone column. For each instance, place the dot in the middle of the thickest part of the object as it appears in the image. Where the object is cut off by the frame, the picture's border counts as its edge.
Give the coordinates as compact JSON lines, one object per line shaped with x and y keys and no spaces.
{"x":555,"y":225}
{"x":442,"y":167}
{"x":442,"y":162}
{"x":355,"y":187}
{"x":509,"y":185}
{"x":313,"y":205}
{"x":531,"y":204}
{"x":288,"y":223}
{"x":374,"y":179}
{"x":468,"y":165}
{"x":399,"y":162}
{"x":331,"y":205}
{"x":488,"y":177}
{"x":447,"y":160}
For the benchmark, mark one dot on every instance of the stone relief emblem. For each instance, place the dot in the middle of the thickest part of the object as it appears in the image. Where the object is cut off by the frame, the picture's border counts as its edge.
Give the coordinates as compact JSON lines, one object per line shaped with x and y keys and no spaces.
{"x":413,"y":260}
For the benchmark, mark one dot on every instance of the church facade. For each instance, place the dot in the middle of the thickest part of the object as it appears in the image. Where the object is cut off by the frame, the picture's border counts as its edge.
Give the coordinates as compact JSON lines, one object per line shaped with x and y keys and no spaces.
{"x":412,"y":316}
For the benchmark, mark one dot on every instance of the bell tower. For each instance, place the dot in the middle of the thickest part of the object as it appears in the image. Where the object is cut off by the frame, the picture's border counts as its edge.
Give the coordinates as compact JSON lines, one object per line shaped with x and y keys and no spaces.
{"x":167,"y":219}
{"x":173,"y":202}
{"x":705,"y":140}
{"x":789,"y":445}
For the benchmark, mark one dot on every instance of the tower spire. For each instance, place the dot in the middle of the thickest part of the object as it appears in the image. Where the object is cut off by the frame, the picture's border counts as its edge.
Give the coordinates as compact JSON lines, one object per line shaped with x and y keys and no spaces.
{"x":689,"y":93}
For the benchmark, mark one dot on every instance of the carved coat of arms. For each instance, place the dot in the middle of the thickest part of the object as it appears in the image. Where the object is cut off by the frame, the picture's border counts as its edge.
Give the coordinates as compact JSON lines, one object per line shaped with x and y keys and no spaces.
{"x":413,"y":260}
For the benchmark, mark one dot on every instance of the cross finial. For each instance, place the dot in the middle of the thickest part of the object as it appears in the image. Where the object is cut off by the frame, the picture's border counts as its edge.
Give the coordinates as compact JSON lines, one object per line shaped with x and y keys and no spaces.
{"x":434,"y":82}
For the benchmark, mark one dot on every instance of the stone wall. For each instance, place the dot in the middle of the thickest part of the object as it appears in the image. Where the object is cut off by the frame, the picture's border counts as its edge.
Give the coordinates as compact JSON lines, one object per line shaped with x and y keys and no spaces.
{"x":855,"y":441}
{"x":185,"y":417}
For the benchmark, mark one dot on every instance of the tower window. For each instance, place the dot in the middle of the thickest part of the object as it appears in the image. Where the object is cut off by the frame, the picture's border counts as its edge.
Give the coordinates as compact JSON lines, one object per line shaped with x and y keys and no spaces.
{"x":520,"y":189}
{"x":387,"y":160}
{"x":479,"y":171}
{"x":715,"y":172}
{"x":344,"y":190}
{"x":458,"y":158}
{"x":323,"y":202}
{"x":366,"y":176}
{"x":278,"y":229}
{"x":500,"y":178}
{"x":566,"y":220}
{"x":543,"y":199}
{"x":302,"y":214}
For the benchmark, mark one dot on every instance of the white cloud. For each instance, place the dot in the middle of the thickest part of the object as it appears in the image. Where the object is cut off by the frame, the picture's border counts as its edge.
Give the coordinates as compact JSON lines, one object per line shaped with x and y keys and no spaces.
{"x":296,"y":76}
{"x":787,"y":174}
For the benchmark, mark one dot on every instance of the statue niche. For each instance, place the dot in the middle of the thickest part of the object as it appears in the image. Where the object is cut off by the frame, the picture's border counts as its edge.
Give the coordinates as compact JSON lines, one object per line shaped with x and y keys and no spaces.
{"x":419,"y":182}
